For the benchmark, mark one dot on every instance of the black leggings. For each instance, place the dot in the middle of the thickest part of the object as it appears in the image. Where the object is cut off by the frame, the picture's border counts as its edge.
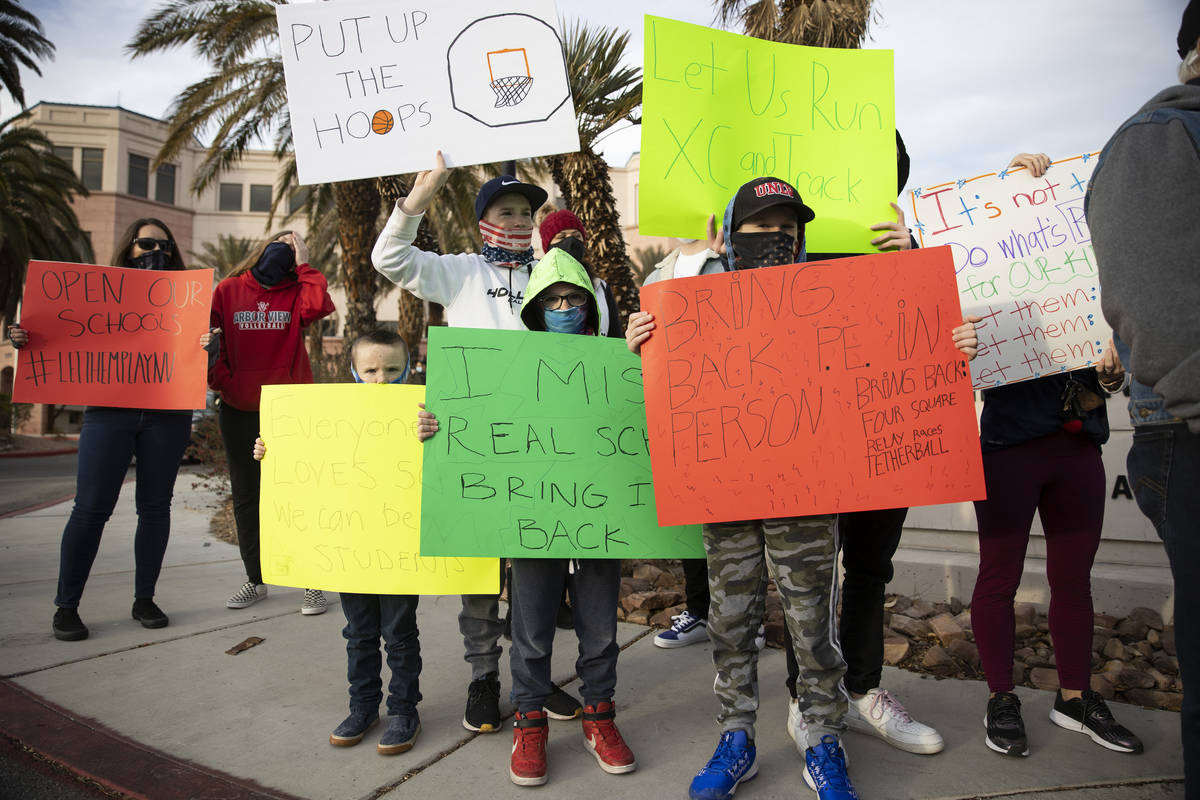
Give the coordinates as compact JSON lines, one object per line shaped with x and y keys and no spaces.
{"x":239,"y":429}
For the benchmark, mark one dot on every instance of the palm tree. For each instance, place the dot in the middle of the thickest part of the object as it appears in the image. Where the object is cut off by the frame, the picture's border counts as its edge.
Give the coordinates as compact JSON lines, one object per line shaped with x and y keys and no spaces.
{"x":225,"y":255}
{"x":36,"y":219}
{"x":245,"y":98}
{"x":605,"y":93}
{"x":816,"y":23}
{"x":21,"y":42}
{"x":647,"y":258}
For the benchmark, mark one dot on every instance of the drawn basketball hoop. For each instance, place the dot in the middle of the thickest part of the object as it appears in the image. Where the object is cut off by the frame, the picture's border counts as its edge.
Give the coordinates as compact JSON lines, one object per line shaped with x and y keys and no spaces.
{"x":515,"y":80}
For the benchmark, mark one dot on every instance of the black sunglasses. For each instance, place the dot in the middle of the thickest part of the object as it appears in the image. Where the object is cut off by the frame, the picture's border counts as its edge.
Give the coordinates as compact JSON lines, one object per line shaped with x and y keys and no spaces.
{"x":147,"y":243}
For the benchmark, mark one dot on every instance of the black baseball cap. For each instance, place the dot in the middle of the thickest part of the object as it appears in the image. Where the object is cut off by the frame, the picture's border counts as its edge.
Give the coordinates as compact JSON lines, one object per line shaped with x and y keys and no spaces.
{"x":762,"y":193}
{"x":507,"y":184}
{"x":1189,"y":28}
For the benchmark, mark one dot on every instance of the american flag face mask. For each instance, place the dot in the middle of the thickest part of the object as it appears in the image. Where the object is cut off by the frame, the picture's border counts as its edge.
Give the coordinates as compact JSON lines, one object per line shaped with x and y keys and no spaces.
{"x":515,"y":241}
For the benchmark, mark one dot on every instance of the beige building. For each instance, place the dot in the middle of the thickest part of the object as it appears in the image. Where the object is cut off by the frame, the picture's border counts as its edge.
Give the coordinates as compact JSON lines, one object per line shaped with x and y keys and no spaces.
{"x":112,"y":150}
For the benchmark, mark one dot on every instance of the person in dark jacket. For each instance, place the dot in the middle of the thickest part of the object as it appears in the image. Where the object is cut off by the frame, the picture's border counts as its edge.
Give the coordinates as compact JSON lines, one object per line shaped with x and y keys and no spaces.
{"x":260,"y":312}
{"x":111,"y":438}
{"x":1041,"y":443}
{"x":1142,"y":205}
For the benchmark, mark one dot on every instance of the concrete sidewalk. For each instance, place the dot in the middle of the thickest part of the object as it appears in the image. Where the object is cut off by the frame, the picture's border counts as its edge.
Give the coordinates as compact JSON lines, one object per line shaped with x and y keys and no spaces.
{"x":167,"y":713}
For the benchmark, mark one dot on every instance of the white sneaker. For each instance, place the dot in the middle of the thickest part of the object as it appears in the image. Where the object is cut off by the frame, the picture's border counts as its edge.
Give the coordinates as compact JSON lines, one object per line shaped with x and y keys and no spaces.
{"x":248,"y":595}
{"x":314,"y":602}
{"x":797,"y":728}
{"x":880,"y":714}
{"x":760,"y":638}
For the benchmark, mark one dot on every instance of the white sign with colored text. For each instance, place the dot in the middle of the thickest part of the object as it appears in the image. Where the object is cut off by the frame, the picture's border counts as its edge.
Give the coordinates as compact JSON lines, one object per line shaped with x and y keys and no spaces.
{"x":376,"y":87}
{"x":1024,"y":261}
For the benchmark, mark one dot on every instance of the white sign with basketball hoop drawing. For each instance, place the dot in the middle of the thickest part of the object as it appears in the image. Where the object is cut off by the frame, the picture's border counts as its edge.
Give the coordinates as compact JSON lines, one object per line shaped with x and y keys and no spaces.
{"x":375,"y":88}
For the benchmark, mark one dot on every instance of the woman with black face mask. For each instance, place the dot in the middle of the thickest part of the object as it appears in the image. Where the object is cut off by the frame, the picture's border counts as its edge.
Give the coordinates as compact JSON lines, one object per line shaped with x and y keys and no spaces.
{"x":260,"y":312}
{"x":109,"y":441}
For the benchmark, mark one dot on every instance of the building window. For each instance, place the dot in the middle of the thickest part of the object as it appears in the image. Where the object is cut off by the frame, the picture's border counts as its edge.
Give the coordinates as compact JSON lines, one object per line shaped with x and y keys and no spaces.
{"x":297,"y":199}
{"x":67,"y":154}
{"x":230,"y":197}
{"x":91,"y":170}
{"x":260,"y":197}
{"x":164,"y":184}
{"x":139,"y":176}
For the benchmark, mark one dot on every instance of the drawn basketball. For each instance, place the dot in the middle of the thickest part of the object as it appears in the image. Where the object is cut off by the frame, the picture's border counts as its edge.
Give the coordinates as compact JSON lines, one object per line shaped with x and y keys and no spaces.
{"x":382,"y":122}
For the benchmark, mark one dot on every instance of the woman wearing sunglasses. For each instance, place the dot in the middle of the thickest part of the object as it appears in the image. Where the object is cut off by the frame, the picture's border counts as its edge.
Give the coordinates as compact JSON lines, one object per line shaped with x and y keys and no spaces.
{"x":110,"y":439}
{"x":260,"y":312}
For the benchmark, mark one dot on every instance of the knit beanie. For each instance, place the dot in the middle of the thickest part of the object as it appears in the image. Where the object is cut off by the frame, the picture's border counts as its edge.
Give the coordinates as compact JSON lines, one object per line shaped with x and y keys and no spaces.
{"x":561,"y":220}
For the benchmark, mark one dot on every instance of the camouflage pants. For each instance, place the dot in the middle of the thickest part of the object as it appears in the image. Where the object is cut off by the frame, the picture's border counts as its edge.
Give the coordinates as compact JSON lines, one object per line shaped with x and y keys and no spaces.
{"x":803,"y":551}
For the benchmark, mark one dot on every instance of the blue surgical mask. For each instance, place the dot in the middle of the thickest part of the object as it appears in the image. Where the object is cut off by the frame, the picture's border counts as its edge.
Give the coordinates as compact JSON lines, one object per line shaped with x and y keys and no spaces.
{"x":565,"y":320}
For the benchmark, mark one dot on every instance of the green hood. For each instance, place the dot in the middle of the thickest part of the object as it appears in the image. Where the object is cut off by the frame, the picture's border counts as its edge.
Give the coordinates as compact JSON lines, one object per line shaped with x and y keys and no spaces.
{"x":556,"y":266}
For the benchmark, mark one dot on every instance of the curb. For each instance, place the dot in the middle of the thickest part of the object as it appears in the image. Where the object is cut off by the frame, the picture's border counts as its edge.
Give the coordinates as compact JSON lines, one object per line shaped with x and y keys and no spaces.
{"x":39,"y":453}
{"x":86,"y":747}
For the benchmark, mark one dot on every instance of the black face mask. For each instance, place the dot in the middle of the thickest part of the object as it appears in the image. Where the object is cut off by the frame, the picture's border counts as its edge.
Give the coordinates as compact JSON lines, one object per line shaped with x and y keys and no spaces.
{"x":572,"y":246}
{"x":753,"y":250}
{"x":277,"y":262}
{"x":154,"y":259}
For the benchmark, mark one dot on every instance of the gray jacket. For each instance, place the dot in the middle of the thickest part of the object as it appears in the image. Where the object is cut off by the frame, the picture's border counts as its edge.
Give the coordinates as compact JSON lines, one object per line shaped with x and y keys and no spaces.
{"x":1144,"y":214}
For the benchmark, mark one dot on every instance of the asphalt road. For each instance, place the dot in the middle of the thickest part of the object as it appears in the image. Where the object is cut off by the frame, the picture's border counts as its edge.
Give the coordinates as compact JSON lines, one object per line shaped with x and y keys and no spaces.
{"x":28,"y":480}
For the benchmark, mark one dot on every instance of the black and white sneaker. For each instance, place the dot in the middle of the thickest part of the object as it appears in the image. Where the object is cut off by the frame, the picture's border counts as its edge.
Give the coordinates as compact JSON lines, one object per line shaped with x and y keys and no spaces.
{"x":1005,"y":728}
{"x":561,"y":705}
{"x":1090,"y":715}
{"x":483,"y":704}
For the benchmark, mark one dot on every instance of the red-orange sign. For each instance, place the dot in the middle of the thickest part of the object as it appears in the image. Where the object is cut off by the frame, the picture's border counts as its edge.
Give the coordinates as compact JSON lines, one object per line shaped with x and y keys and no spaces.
{"x":108,"y":336}
{"x":813,"y":388}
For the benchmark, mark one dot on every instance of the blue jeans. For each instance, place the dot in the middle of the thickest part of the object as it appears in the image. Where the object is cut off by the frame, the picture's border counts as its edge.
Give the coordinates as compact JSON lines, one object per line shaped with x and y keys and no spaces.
{"x":539,"y":584}
{"x":1164,"y":468}
{"x":110,"y":438}
{"x":393,"y":617}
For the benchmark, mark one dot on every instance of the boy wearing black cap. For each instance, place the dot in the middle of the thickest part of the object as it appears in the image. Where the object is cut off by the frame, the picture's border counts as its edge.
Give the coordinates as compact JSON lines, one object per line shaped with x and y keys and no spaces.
{"x":483,"y":290}
{"x":764,"y":226}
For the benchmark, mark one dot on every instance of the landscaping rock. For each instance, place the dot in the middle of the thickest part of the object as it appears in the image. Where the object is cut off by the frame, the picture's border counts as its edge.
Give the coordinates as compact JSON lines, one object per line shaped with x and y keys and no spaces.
{"x":895,"y":649}
{"x":1166,"y":664}
{"x":1114,"y":649}
{"x":1025,"y":613}
{"x":1131,"y":630}
{"x":1043,"y":678}
{"x":921,"y":609}
{"x":1129,"y":678}
{"x":1025,"y":631}
{"x":946,"y":629}
{"x":938,"y":661}
{"x":1149,"y":616}
{"x":1103,"y":687}
{"x":648,"y":572}
{"x":912,"y":628}
{"x":964,"y":651}
{"x":1168,"y":640}
{"x":956,"y":606}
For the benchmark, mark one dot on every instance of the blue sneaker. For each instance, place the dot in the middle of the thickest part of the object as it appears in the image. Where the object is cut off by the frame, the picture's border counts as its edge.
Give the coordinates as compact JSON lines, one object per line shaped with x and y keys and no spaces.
{"x":825,"y":770}
{"x":734,"y":761}
{"x":685,"y":629}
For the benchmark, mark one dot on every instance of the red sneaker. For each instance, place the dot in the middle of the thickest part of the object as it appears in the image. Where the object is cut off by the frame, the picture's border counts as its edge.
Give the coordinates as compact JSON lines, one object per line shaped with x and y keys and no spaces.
{"x":530,"y":732}
{"x":602,"y":738}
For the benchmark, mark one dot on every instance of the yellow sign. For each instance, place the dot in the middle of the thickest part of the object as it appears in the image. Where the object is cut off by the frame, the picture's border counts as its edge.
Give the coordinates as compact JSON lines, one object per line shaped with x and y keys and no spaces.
{"x":719,"y":109}
{"x":341,"y":494}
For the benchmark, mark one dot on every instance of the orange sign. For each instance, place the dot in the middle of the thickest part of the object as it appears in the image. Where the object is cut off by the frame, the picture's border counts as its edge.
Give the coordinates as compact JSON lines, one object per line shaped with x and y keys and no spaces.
{"x":109,"y":336}
{"x":814,"y":388}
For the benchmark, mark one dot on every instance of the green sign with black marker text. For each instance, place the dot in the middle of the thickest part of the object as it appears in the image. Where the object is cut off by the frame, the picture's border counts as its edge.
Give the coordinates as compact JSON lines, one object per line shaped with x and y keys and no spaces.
{"x":541,"y":450}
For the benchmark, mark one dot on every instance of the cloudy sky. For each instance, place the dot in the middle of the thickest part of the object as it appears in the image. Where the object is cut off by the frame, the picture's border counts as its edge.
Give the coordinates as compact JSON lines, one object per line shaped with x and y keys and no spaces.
{"x":976,"y":80}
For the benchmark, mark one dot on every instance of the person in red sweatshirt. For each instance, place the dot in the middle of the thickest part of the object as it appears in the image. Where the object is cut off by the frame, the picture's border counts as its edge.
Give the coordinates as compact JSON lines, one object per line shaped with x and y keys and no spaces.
{"x":262,"y":310}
